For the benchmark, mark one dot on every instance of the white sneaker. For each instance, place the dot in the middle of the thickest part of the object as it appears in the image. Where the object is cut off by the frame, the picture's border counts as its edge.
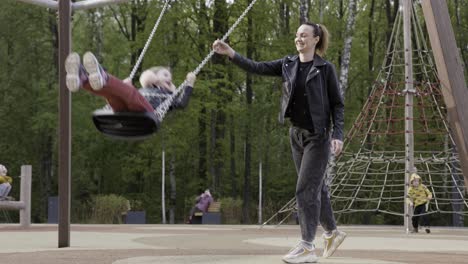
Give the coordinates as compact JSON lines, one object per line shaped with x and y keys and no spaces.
{"x":332,"y":242}
{"x":95,"y":72}
{"x":72,"y":67}
{"x":300,"y":254}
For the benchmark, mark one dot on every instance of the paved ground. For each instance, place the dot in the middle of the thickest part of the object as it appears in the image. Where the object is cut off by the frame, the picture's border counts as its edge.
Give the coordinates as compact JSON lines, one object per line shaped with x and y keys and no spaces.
{"x":223,"y":244}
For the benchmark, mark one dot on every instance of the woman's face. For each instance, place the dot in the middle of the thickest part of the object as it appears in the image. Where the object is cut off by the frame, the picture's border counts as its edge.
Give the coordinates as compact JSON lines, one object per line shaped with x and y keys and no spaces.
{"x":164,"y":79}
{"x":305,"y":40}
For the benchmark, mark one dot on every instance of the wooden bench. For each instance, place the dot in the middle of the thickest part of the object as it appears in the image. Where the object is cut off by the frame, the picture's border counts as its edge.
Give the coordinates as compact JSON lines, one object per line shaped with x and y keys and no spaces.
{"x":212,"y":216}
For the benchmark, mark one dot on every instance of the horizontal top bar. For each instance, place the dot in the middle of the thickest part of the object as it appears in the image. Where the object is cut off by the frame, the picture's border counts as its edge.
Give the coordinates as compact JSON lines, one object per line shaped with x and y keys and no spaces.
{"x":12,"y":205}
{"x":81,"y":5}
{"x":88,"y":4}
{"x":44,"y":3}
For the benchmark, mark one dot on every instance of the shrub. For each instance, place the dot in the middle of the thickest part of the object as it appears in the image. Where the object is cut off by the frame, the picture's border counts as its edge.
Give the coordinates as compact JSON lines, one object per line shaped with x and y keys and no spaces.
{"x":231,"y":210}
{"x":108,"y":209}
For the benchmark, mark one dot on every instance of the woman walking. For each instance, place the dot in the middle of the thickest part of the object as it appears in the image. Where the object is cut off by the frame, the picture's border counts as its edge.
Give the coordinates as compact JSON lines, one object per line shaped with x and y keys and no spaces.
{"x":312,"y":101}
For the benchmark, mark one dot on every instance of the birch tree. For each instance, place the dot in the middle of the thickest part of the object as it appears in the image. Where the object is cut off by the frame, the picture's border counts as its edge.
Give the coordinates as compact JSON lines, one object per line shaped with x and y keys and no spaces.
{"x":304,"y":11}
{"x":348,"y":40}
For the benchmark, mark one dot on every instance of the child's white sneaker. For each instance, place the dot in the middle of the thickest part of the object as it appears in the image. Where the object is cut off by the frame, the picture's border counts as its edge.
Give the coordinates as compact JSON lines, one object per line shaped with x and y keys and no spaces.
{"x":72,"y":67}
{"x":96,"y":75}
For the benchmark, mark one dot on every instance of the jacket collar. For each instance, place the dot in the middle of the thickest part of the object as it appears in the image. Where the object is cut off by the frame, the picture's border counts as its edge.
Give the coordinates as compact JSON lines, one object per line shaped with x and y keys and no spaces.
{"x":160,"y":89}
{"x":318,"y":61}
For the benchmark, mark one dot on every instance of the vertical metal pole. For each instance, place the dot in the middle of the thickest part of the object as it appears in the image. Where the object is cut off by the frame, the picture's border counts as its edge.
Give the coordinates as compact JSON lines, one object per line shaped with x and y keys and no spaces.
{"x":260,"y":216}
{"x":25,"y":195}
{"x":163,"y":189}
{"x":64,"y":160}
{"x":409,"y":92}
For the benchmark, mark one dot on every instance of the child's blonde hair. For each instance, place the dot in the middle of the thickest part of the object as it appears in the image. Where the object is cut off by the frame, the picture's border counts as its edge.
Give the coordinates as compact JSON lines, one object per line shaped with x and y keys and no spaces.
{"x":3,"y":170}
{"x":148,"y":77}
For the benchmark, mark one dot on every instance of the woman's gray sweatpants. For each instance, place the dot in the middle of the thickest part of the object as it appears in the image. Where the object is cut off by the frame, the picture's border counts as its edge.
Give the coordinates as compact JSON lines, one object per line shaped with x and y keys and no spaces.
{"x":310,"y":154}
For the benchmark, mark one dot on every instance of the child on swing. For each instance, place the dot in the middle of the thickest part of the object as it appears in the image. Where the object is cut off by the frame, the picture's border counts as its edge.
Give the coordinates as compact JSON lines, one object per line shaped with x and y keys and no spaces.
{"x":121,"y":95}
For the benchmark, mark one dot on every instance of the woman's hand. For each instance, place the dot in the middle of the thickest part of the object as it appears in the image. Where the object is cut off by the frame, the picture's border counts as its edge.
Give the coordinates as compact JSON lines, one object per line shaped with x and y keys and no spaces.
{"x":190,"y":79}
{"x":336,"y":146}
{"x":223,"y":48}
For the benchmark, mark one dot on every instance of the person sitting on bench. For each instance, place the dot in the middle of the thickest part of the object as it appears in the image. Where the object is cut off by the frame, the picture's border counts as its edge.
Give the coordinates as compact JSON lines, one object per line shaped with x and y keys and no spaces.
{"x":203,"y":202}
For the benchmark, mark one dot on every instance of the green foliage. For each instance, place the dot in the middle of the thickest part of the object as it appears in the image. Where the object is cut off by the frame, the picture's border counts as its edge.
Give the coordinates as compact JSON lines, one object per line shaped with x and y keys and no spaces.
{"x":231,"y":210}
{"x":108,"y":209}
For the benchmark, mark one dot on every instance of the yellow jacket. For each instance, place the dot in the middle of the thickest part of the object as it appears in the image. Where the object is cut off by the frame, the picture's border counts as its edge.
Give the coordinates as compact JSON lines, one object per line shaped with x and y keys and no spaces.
{"x":420,"y":194}
{"x":4,"y":179}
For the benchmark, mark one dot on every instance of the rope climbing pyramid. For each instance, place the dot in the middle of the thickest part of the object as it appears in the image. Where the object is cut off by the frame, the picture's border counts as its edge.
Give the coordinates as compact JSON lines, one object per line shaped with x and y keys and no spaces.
{"x":369,"y":176}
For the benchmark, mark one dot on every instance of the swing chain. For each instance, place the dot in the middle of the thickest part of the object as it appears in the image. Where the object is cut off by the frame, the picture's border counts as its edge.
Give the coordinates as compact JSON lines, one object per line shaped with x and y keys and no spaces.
{"x":162,"y":109}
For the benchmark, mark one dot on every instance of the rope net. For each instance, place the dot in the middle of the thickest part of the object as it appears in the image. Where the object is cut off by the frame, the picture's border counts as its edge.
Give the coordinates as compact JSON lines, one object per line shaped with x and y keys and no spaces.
{"x":369,"y":176}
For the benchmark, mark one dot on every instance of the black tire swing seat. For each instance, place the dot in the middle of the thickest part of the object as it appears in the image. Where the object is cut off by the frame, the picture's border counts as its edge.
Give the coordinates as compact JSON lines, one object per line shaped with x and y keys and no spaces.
{"x":126,"y":125}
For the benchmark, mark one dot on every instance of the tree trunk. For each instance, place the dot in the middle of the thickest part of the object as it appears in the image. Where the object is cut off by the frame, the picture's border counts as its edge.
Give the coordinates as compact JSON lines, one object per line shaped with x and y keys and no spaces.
{"x":47,"y":145}
{"x":321,"y":8}
{"x":391,"y":14}
{"x":340,"y":33}
{"x":265,"y":156}
{"x":370,"y":39}
{"x":218,"y":121}
{"x":284,"y":19}
{"x":202,"y":147}
{"x":304,"y":11}
{"x":172,"y":196}
{"x":96,"y":38}
{"x":232,"y":149}
{"x":247,"y":157}
{"x":370,"y":64}
{"x":203,"y":23}
{"x":348,"y":40}
{"x":46,"y":167}
{"x":213,"y":156}
{"x":138,"y":14}
{"x":460,"y":32}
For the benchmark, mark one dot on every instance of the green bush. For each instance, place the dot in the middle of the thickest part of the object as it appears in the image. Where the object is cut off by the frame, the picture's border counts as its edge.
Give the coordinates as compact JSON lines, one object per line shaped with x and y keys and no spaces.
{"x":231,"y":210}
{"x":108,"y":209}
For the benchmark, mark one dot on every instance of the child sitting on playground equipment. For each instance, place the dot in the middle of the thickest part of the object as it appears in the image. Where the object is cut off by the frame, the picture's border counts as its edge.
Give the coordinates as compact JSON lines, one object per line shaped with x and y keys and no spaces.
{"x":121,"y":95}
{"x":5,"y":184}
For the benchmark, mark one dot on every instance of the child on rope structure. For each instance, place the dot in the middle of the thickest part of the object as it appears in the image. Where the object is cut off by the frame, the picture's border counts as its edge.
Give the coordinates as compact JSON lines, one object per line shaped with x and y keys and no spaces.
{"x":5,"y":184}
{"x":121,"y":95}
{"x":419,"y":197}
